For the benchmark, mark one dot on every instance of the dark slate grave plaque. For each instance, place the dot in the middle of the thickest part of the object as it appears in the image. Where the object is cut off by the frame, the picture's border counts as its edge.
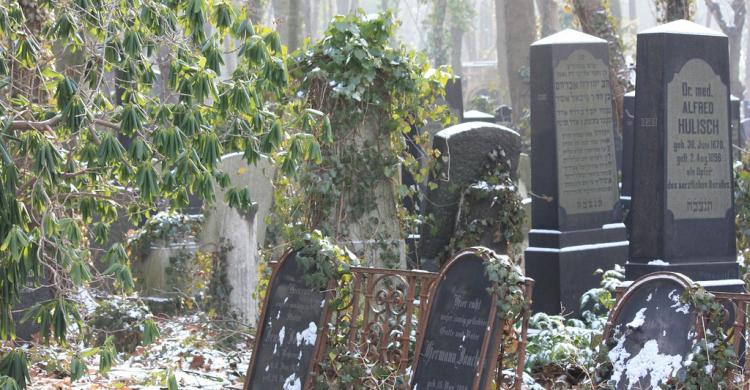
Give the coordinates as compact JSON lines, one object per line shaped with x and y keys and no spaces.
{"x":683,"y":204}
{"x":464,"y":150}
{"x":458,"y":329}
{"x":576,"y":221}
{"x":652,"y":331}
{"x":289,"y":331}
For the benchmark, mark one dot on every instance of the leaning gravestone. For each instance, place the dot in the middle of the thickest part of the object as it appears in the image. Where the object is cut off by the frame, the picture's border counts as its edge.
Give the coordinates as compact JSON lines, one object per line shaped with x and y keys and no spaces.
{"x":288,"y":332}
{"x":458,"y":329}
{"x":463,"y":154}
{"x":683,"y":202}
{"x":651,"y":332}
{"x":576,"y":226}
{"x":244,"y":232}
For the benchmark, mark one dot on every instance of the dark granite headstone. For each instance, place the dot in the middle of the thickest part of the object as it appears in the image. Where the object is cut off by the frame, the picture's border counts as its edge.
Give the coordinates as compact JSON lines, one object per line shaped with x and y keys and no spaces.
{"x":626,"y":181}
{"x":454,"y":97}
{"x":683,"y":202}
{"x":652,"y":332}
{"x":576,"y":224}
{"x":464,"y":151}
{"x":734,"y":124}
{"x":458,"y":328}
{"x":289,"y":330}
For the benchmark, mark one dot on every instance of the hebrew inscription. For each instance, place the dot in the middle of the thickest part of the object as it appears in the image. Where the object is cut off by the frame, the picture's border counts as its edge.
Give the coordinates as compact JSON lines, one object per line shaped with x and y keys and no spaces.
{"x":587,"y":173}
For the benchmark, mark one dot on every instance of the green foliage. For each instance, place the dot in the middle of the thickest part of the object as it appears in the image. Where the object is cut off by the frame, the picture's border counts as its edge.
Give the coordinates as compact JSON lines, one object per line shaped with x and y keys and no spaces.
{"x":77,"y":368}
{"x":107,"y":355}
{"x":13,"y":371}
{"x":121,"y":112}
{"x":150,"y":331}
{"x":507,"y":279}
{"x":54,"y":318}
{"x":172,"y":381}
{"x":322,"y":261}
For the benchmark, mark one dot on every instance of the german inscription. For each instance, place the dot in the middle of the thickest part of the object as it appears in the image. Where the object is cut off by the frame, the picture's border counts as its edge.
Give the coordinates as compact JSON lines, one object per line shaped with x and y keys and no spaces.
{"x":698,"y":163}
{"x":456,"y":328}
{"x":587,"y":174}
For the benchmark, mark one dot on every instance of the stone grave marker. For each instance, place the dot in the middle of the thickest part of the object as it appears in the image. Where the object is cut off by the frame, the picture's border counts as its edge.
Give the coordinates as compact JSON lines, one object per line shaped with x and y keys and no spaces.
{"x":289,"y":331}
{"x":478,"y":116}
{"x":626,"y":177}
{"x":683,"y":202}
{"x":463,"y":151}
{"x":576,"y":224}
{"x":453,"y":352}
{"x":651,"y":332}
{"x":454,"y":96}
{"x":244,"y":232}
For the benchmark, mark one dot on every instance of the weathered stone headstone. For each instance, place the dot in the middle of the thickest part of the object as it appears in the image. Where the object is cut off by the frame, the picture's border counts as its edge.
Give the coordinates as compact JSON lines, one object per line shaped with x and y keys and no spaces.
{"x":683,"y":202}
{"x":652,"y":332}
{"x":734,"y":125}
{"x":576,"y":225}
{"x":626,"y":182}
{"x":454,"y":96}
{"x":288,"y":331}
{"x":463,"y":152}
{"x":244,"y":232}
{"x":459,"y":327}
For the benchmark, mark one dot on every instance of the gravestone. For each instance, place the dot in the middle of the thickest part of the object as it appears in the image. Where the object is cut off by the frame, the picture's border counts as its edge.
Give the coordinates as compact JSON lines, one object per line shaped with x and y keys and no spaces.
{"x":288,"y":331}
{"x":454,"y":96}
{"x":478,"y":116}
{"x":245,"y":232}
{"x":626,"y":182}
{"x":652,"y":332}
{"x":734,"y":125}
{"x":576,"y":225}
{"x":458,"y":330}
{"x":683,"y":202}
{"x":504,"y":115}
{"x":463,"y":154}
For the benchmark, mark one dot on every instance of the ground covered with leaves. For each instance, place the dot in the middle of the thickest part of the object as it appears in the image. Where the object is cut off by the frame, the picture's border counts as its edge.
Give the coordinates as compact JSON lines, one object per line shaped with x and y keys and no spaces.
{"x":195,"y":352}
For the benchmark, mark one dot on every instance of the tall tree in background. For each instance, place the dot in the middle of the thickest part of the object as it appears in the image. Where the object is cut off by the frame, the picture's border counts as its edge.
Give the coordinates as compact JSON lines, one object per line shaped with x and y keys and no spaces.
{"x":255,"y":10}
{"x":342,"y":7}
{"x":747,"y":49}
{"x":734,"y":32}
{"x":294,"y":21}
{"x":670,"y":10}
{"x":594,"y":17}
{"x":549,"y":16}
{"x":437,"y":48}
{"x":520,"y":29}
{"x":501,"y":45}
{"x":461,"y":13}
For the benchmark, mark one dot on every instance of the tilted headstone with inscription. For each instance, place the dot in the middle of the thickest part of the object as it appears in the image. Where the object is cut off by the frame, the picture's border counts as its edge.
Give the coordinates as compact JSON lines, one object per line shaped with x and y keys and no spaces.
{"x":651,"y":332}
{"x":459,"y":329}
{"x":683,"y":202}
{"x":464,"y":151}
{"x":576,"y":224}
{"x":288,"y":331}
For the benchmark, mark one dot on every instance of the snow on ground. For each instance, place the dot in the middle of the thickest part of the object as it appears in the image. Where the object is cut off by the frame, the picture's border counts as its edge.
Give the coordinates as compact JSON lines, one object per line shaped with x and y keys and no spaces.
{"x":190,"y":346}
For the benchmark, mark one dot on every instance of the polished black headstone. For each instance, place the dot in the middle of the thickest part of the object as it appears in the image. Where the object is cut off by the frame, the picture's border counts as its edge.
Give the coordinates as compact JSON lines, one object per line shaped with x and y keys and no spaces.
{"x":454,"y":97}
{"x":652,"y":325}
{"x":576,"y":218}
{"x":456,"y":328}
{"x":683,"y":204}
{"x":464,"y":151}
{"x":289,"y":330}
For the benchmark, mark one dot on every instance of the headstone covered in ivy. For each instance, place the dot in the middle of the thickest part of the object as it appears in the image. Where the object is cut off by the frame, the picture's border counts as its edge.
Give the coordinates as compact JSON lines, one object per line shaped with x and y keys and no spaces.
{"x":652,"y":332}
{"x":465,"y":152}
{"x":288,"y":331}
{"x":455,"y":350}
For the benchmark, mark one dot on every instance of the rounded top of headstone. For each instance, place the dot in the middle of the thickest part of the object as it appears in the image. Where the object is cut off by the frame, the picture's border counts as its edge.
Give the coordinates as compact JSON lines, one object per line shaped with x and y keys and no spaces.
{"x":682,"y":26}
{"x":568,"y":36}
{"x":469,"y":126}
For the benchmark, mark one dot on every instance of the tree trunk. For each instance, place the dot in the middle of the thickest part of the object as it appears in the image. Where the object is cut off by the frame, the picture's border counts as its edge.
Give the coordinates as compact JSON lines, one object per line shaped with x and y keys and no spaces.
{"x":594,"y":18}
{"x":255,"y":10}
{"x":354,"y":5}
{"x":519,"y":24}
{"x":384,"y":4}
{"x":747,"y":52}
{"x":549,"y":16}
{"x":281,"y":17}
{"x":294,"y":22}
{"x":436,"y":46}
{"x":457,"y":34}
{"x":342,"y":7}
{"x":616,"y":9}
{"x":501,"y":45}
{"x":734,"y":32}
{"x":671,"y":10}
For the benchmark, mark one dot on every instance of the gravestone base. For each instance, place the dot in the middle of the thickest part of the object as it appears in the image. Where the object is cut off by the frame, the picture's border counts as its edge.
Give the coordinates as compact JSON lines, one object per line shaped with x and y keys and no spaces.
{"x":721,"y":276}
{"x":564,"y":264}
